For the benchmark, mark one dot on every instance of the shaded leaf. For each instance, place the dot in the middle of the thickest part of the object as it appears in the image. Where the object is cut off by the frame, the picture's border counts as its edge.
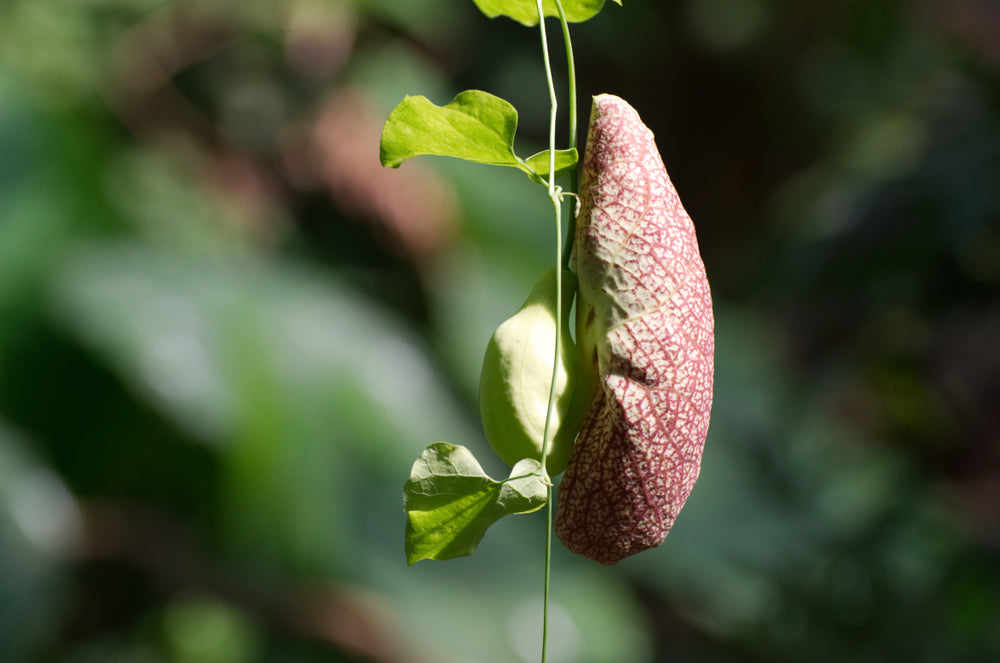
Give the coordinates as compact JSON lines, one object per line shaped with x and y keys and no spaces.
{"x":475,"y":126}
{"x":526,"y":11}
{"x":451,"y":501}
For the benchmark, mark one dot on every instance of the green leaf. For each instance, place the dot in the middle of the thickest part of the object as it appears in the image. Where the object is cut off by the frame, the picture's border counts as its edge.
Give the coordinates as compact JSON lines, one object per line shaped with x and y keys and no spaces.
{"x":451,"y":501}
{"x":526,"y":11}
{"x":475,"y":126}
{"x":565,"y":162}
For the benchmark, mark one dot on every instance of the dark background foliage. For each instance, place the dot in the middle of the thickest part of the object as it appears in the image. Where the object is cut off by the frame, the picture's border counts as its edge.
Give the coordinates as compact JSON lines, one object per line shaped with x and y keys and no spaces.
{"x":226,"y":332}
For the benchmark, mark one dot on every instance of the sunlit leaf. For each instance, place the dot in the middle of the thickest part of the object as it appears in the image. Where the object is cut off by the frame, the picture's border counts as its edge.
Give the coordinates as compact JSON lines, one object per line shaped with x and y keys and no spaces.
{"x":526,"y":11}
{"x":565,"y":162}
{"x":475,"y":126}
{"x":451,"y":501}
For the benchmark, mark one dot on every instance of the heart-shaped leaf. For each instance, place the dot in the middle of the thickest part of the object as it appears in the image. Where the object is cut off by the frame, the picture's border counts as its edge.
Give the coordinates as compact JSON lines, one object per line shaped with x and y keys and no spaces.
{"x":526,"y":11}
{"x":451,"y":502}
{"x":645,"y":331}
{"x":476,"y":126}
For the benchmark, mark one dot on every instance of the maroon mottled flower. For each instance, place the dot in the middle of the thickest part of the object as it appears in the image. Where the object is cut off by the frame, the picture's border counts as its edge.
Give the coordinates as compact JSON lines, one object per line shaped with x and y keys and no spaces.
{"x":645,"y":331}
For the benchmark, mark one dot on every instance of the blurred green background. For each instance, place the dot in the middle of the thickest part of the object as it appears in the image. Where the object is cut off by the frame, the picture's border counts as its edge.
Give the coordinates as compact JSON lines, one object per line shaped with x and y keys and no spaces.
{"x":226,"y":332}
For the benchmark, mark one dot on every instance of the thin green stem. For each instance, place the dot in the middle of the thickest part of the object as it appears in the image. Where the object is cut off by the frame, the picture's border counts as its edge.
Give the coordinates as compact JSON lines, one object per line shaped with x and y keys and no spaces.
{"x":555,"y":196}
{"x":574,"y":178}
{"x":546,"y":434}
{"x":548,"y":567}
{"x":553,"y":104}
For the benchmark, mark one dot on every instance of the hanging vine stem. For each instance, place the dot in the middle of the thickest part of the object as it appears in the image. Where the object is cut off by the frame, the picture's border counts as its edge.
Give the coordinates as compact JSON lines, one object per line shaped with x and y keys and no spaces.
{"x":555,"y":195}
{"x":574,"y":178}
{"x":446,"y":482}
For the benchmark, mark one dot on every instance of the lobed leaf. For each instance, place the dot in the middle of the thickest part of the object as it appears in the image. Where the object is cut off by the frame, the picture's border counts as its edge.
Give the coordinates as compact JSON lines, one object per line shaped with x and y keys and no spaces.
{"x":526,"y":11}
{"x":475,"y":126}
{"x":645,"y":332}
{"x":451,"y":502}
